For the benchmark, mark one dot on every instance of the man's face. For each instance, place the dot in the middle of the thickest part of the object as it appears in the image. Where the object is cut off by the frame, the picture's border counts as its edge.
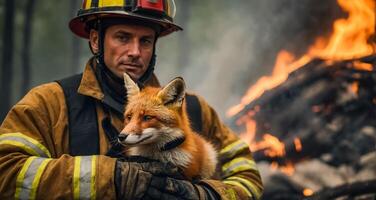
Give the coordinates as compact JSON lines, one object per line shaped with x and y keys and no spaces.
{"x":127,"y":48}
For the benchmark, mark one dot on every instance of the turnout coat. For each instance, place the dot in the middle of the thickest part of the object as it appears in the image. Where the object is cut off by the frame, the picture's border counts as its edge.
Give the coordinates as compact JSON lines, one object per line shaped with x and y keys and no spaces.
{"x":35,"y":160}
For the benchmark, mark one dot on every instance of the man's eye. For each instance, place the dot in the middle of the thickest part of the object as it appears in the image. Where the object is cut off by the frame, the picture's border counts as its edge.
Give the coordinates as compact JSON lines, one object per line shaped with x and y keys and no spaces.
{"x":122,"y":38}
{"x":147,"y":117}
{"x":146,"y":42}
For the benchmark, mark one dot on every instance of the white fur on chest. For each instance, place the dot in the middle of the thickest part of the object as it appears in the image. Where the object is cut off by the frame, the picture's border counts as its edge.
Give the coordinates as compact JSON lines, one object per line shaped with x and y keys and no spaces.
{"x":176,"y":156}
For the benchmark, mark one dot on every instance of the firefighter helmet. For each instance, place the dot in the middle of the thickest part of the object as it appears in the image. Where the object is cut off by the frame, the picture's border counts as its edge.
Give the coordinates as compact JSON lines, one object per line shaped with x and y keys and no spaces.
{"x":159,"y":12}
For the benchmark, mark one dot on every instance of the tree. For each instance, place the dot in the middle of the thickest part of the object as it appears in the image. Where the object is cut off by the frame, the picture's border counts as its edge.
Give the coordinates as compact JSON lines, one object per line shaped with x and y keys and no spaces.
{"x":7,"y":62}
{"x":27,"y":35}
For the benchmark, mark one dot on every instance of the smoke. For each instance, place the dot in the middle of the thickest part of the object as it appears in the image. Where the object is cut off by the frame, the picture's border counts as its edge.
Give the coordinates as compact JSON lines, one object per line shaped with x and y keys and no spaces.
{"x":232,"y":46}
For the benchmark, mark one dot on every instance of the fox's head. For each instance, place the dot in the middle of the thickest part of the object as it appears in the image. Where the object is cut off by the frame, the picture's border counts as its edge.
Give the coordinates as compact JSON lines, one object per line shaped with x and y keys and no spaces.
{"x":154,"y":116}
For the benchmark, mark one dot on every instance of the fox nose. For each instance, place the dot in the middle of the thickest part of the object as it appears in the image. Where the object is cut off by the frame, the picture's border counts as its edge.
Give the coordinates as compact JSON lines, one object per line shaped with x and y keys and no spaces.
{"x":122,"y":137}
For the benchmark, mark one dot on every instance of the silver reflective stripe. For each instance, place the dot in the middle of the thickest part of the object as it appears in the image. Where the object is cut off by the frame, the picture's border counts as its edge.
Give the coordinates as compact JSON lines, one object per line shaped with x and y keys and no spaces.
{"x":231,"y":150}
{"x":30,"y":145}
{"x":85,"y":177}
{"x":253,"y":191}
{"x":238,"y":165}
{"x":29,"y":177}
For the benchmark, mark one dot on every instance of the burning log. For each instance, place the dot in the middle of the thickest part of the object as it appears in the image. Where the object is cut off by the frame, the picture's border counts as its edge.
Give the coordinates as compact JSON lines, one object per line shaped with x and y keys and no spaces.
{"x":349,"y":190}
{"x":327,"y":106}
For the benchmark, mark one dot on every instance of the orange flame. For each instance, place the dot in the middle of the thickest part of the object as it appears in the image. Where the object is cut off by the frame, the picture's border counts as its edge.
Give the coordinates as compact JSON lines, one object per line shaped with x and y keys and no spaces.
{"x":307,"y":192}
{"x":298,"y":144}
{"x":349,"y":40}
{"x":362,"y":66}
{"x":271,"y":146}
{"x":288,"y":168}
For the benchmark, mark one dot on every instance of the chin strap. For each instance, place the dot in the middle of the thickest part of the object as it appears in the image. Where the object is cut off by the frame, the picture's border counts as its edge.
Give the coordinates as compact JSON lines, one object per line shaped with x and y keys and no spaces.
{"x":172,"y":144}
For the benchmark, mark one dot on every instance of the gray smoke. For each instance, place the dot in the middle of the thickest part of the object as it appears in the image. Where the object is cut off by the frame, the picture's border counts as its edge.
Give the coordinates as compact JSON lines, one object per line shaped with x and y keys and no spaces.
{"x":235,"y":42}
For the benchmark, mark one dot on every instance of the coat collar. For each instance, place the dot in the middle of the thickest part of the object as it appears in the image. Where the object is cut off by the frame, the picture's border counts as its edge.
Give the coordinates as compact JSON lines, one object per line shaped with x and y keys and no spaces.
{"x":89,"y":85}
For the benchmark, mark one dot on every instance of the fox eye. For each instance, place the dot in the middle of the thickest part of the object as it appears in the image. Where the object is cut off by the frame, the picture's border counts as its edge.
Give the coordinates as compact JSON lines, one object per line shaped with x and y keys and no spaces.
{"x":147,"y":117}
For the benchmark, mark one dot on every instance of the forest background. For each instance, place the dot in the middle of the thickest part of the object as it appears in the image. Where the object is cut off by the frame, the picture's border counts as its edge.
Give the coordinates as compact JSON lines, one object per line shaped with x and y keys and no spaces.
{"x":224,"y":48}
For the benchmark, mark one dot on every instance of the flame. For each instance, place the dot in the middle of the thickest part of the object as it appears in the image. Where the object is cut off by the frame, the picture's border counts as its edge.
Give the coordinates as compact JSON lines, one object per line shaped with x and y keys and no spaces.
{"x":354,"y":87}
{"x":362,"y":66}
{"x":349,"y":40}
{"x":288,"y":168}
{"x":271,"y":145}
{"x":307,"y":192}
{"x":298,"y":144}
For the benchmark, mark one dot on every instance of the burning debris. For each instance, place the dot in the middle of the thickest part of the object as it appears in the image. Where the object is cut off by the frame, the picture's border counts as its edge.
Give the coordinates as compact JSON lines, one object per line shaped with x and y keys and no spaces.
{"x":314,"y":118}
{"x":320,"y":119}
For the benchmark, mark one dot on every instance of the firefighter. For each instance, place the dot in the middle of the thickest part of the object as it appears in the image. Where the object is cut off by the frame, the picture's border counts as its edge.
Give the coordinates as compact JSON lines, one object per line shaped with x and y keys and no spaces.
{"x":59,"y":141}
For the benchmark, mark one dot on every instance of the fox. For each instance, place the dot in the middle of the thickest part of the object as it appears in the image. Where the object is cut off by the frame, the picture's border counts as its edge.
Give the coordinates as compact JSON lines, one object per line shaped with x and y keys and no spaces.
{"x":156,"y":126}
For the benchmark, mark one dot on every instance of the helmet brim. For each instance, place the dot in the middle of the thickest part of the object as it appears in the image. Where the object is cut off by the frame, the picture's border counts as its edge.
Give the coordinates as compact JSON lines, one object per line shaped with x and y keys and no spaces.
{"x":78,"y":24}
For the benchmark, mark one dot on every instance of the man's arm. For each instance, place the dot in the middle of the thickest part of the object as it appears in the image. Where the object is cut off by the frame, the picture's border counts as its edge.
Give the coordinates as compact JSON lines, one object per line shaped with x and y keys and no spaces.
{"x":33,"y":138}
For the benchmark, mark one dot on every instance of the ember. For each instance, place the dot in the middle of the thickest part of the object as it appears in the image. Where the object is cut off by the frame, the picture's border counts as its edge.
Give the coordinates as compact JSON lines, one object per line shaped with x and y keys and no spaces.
{"x":314,"y":117}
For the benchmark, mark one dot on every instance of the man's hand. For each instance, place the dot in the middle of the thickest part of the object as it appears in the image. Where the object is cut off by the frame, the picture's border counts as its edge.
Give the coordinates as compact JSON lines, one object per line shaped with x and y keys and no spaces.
{"x":173,"y":189}
{"x":134,"y":176}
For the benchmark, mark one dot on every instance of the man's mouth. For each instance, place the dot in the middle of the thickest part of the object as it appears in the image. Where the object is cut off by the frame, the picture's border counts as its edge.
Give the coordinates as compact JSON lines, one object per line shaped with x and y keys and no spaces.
{"x":132,"y":65}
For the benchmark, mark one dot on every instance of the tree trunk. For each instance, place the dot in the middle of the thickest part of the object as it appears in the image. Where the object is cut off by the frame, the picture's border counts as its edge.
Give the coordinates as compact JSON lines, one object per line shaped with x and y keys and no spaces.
{"x":27,"y":35}
{"x":76,"y":42}
{"x":7,"y":62}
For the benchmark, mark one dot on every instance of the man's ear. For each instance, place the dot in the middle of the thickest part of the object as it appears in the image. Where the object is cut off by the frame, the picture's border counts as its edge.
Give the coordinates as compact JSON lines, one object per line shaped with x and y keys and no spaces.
{"x":93,"y":41}
{"x":173,"y":93}
{"x":131,"y":86}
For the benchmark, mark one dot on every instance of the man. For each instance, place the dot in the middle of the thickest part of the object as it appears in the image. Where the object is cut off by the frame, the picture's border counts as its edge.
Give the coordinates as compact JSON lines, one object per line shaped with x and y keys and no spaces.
{"x":59,"y":141}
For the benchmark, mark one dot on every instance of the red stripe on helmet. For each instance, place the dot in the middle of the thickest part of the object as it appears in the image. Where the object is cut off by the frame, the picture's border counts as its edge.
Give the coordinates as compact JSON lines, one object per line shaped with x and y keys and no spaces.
{"x":151,"y":4}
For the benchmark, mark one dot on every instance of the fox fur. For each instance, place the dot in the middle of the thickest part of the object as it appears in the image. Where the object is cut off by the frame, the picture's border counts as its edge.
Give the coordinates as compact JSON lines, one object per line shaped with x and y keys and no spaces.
{"x":155,"y":117}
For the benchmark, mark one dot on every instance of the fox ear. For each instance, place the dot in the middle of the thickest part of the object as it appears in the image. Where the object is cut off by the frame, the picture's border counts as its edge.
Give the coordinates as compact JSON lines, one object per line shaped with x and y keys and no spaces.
{"x":173,"y":92}
{"x":131,"y":86}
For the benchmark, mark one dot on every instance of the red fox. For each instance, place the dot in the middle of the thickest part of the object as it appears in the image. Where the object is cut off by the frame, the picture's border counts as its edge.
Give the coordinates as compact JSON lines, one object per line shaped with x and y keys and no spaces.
{"x":157,"y":127}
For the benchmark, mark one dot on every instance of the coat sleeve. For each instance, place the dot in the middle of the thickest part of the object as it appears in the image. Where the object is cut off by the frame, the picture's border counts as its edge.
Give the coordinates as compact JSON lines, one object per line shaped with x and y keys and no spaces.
{"x":240,"y":178}
{"x":33,"y":161}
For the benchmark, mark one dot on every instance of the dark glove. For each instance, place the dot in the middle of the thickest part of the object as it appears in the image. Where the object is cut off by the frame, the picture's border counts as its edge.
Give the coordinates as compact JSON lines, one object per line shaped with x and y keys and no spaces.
{"x":132,"y":178}
{"x":173,"y":189}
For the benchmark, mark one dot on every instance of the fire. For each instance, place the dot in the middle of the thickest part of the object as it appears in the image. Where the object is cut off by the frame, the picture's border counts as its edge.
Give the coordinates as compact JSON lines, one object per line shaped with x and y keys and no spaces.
{"x":298,"y":144}
{"x":363,"y":66}
{"x":350,"y":39}
{"x":307,"y":192}
{"x":271,"y":146}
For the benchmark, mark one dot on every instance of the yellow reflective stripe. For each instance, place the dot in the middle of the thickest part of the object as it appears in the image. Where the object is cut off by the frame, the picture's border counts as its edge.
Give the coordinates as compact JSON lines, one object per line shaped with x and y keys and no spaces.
{"x":248,"y":184}
{"x":84,"y":177}
{"x":111,"y":3}
{"x":238,"y":165}
{"x":29,"y":144}
{"x":29,"y":177}
{"x":235,"y":183}
{"x":37,"y":177}
{"x":93,"y":194}
{"x":231,"y":194}
{"x":168,"y":8}
{"x":21,"y":177}
{"x":88,"y":4}
{"x":20,"y":145}
{"x":76,"y":177}
{"x":232,"y":149}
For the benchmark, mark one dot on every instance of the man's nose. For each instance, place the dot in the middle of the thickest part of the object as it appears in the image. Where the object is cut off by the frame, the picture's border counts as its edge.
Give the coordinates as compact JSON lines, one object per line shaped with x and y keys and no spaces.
{"x":134,"y":49}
